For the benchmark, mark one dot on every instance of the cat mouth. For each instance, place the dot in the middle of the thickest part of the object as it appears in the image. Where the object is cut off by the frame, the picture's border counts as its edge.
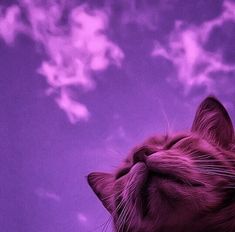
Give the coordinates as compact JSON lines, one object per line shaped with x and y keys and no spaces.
{"x":144,"y":197}
{"x":141,"y":178}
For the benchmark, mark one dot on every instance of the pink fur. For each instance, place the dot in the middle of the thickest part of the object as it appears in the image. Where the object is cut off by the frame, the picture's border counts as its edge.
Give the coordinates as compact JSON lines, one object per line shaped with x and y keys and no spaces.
{"x":180,"y":183}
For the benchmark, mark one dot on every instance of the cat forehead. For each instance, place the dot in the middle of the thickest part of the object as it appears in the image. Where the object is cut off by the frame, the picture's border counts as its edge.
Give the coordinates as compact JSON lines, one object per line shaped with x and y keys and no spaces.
{"x":164,"y":142}
{"x":181,"y":141}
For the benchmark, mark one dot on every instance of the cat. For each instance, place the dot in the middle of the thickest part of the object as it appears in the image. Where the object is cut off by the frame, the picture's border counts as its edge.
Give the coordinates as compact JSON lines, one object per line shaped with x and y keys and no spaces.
{"x":183,"y":182}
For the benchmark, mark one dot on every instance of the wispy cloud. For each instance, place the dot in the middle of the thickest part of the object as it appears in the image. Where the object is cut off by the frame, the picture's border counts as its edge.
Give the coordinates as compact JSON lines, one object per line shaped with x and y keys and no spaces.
{"x":118,"y":133}
{"x":10,"y":23}
{"x":74,"y":109}
{"x":186,"y":50}
{"x":82,"y":218}
{"x":45,"y":194}
{"x":75,"y":45}
{"x":142,"y":13}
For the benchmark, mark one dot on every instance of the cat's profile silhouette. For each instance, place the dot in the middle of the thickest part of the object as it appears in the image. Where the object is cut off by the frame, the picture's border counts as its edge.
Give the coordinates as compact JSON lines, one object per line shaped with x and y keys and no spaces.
{"x":183,"y":182}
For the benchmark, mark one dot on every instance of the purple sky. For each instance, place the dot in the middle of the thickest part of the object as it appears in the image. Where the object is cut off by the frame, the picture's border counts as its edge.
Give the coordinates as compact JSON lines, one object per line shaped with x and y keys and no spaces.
{"x":81,"y":82}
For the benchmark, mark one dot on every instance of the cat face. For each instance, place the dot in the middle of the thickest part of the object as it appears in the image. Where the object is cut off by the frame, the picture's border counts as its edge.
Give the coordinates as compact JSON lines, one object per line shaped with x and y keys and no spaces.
{"x":183,"y":182}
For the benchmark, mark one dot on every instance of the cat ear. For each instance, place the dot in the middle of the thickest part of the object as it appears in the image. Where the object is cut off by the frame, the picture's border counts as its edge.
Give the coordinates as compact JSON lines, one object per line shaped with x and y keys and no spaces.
{"x":213,"y":123}
{"x":102,"y":185}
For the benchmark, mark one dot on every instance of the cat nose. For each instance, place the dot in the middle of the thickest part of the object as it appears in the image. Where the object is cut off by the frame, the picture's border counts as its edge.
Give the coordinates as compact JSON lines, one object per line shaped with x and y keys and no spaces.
{"x":140,"y":155}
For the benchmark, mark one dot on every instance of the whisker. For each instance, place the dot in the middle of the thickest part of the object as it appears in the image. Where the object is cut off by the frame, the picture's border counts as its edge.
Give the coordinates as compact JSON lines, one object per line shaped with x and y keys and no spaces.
{"x":131,"y":216}
{"x":217,"y":173}
{"x":211,"y":168}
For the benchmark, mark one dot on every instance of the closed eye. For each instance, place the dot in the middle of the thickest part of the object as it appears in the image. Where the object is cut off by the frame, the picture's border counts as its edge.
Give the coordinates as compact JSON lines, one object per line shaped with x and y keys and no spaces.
{"x":177,"y":180}
{"x":173,"y":142}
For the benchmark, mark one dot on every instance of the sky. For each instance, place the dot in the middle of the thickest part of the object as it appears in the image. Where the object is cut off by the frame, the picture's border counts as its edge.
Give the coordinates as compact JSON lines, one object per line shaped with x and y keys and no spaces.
{"x":82,"y":82}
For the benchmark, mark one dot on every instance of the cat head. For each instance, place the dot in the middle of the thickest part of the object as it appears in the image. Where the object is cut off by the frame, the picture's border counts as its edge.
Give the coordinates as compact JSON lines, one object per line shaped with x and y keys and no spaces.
{"x":183,"y":182}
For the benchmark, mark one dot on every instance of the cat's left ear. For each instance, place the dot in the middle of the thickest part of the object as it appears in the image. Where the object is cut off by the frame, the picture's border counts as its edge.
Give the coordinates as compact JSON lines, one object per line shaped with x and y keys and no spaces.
{"x":213,"y":123}
{"x":102,"y":185}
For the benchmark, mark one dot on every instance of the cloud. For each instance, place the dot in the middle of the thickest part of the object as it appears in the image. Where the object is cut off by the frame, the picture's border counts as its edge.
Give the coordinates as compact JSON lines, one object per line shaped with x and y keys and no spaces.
{"x":118,"y":133}
{"x":74,"y":110}
{"x":81,"y":218}
{"x":186,"y":50}
{"x":45,"y":194}
{"x":10,"y":24}
{"x":142,"y":13}
{"x":74,"y":43}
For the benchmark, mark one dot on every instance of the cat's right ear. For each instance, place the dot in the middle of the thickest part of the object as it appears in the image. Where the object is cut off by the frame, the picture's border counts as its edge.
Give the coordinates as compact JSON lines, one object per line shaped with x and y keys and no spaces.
{"x":213,"y":123}
{"x":102,"y":184}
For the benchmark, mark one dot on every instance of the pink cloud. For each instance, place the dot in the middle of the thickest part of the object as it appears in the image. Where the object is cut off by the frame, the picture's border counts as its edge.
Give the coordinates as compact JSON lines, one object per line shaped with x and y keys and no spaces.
{"x":82,"y":218}
{"x":185,"y":50}
{"x":75,"y":48}
{"x":45,"y":194}
{"x":74,"y":109}
{"x":10,"y":23}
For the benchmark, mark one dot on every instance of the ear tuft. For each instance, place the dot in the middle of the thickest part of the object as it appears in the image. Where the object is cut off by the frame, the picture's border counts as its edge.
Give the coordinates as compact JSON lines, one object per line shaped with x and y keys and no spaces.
{"x":213,"y":123}
{"x":102,"y":184}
